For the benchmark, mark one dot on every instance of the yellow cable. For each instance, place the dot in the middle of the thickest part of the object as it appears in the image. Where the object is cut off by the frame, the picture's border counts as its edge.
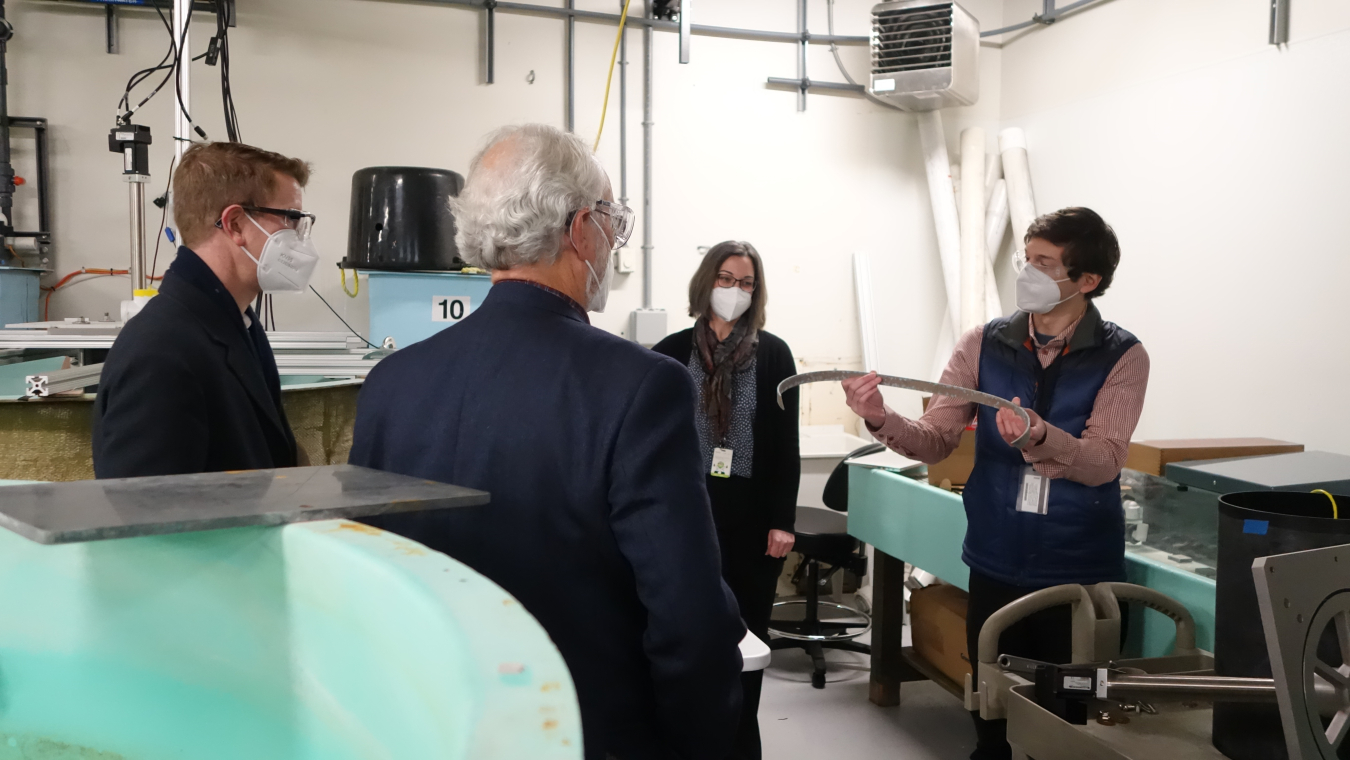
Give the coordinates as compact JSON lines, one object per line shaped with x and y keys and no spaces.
{"x":1335,"y":511}
{"x":344,"y":282}
{"x":623,"y":18}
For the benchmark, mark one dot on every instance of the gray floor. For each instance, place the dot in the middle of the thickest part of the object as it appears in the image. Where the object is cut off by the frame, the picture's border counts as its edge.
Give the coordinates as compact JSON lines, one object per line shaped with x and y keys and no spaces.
{"x":797,"y":721}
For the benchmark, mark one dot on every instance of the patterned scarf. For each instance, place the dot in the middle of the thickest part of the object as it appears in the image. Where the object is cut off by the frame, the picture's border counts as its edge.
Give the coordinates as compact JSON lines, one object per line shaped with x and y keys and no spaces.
{"x":721,"y":361}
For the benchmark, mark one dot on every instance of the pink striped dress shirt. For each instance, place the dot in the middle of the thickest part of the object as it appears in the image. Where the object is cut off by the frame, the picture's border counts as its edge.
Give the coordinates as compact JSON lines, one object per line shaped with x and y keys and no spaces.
{"x":1092,"y":459}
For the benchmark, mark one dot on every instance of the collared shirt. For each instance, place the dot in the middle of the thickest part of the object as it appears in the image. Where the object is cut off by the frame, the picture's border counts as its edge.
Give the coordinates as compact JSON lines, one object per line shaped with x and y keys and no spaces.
{"x":1095,"y":458}
{"x":190,"y":267}
{"x":585,"y":317}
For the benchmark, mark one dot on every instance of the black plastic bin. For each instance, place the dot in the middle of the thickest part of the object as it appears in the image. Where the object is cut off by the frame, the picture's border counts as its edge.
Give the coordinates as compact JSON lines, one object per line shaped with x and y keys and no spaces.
{"x":1259,"y":524}
{"x":401,"y":220}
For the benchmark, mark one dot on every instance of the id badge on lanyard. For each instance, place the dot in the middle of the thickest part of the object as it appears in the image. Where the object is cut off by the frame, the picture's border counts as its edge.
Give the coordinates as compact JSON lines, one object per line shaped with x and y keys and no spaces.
{"x":721,"y":463}
{"x":1034,"y":497}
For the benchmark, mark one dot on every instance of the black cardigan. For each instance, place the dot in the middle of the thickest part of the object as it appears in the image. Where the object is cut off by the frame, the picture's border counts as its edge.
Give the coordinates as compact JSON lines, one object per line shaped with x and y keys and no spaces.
{"x":777,"y":465}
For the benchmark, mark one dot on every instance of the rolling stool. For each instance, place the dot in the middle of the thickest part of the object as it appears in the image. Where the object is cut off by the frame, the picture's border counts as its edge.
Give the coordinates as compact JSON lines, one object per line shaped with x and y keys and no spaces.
{"x":822,"y":538}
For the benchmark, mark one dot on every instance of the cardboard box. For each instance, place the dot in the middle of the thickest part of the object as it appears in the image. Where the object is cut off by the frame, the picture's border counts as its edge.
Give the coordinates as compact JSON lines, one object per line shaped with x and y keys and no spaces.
{"x":955,"y":468}
{"x":1153,"y":457}
{"x":938,"y":616}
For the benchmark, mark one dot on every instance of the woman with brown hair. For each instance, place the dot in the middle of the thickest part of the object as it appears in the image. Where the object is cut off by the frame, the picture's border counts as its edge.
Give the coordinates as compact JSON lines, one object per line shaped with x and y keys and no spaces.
{"x":749,"y":445}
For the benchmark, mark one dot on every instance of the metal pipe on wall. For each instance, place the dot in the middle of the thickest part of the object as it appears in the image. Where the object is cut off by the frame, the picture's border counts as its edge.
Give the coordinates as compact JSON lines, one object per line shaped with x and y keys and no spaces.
{"x":802,"y":81}
{"x":647,"y":163}
{"x":571,"y":69}
{"x":623,"y":114}
{"x":938,"y":166}
{"x":686,"y":21}
{"x":491,"y":46}
{"x":658,"y":24}
{"x":182,"y":128}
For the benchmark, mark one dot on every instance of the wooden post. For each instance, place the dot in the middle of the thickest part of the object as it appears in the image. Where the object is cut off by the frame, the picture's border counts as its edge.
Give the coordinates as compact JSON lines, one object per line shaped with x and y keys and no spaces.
{"x":888,"y":619}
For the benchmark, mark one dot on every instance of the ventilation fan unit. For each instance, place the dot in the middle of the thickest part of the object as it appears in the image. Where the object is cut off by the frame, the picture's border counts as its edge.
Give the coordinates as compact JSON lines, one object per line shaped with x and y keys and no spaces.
{"x":925,"y":54}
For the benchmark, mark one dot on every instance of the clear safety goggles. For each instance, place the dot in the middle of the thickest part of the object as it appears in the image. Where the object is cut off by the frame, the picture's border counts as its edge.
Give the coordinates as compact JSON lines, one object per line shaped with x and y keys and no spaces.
{"x":621,"y":220}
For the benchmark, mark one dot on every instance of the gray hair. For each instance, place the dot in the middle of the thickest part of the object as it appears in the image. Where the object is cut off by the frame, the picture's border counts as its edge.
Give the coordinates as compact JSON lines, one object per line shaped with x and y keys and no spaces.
{"x":513,"y":212}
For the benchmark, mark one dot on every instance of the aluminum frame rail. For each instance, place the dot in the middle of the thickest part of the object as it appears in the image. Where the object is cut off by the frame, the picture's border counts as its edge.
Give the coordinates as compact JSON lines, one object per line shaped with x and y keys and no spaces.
{"x":353,"y":365}
{"x":60,"y":381}
{"x":77,"y":378}
{"x":297,"y":341}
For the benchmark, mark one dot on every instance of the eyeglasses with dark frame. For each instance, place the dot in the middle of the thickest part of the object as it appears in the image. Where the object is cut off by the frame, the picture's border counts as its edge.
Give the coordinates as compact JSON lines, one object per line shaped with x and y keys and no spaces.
{"x":300,"y":221}
{"x":726,"y":279}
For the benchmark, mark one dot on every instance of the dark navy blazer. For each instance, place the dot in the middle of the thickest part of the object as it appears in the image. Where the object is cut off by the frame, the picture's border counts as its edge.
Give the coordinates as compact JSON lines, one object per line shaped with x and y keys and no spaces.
{"x":599,"y":521}
{"x":188,"y":388}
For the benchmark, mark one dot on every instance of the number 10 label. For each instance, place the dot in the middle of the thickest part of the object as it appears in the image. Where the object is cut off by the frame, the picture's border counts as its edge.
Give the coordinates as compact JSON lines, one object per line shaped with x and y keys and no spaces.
{"x":449,"y":308}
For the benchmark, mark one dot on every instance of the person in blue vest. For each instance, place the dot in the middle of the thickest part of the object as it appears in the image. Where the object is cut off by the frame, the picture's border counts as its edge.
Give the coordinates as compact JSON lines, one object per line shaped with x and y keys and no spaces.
{"x":1051,"y":513}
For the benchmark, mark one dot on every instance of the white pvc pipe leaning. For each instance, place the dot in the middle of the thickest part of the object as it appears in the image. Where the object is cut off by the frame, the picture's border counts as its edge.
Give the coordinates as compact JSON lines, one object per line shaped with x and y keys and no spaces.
{"x":1012,"y":144}
{"x":867,"y":325}
{"x":993,"y":172}
{"x":944,"y":208}
{"x":974,"y":262}
{"x":995,"y":225}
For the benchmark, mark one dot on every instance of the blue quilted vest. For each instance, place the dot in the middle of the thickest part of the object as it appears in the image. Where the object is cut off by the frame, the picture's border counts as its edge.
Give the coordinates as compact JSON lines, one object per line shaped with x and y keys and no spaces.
{"x":1081,"y":539}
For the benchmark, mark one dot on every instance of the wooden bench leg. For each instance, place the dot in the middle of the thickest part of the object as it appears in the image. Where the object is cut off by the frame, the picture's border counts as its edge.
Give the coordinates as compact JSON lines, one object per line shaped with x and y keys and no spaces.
{"x":889,"y":669}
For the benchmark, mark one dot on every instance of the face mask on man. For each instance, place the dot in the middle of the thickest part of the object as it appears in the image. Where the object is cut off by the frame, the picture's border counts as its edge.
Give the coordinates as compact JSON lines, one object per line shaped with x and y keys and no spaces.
{"x":1037,"y":292}
{"x":287,"y":262}
{"x":597,"y":287}
{"x":730,"y":303}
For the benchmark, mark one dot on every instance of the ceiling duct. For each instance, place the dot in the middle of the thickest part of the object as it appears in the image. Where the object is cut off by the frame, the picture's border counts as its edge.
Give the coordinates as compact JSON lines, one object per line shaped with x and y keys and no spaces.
{"x":925,"y":54}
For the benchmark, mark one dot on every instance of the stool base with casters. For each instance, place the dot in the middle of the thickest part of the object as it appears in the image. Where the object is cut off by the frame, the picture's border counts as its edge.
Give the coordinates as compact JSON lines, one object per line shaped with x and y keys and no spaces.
{"x":822,"y":537}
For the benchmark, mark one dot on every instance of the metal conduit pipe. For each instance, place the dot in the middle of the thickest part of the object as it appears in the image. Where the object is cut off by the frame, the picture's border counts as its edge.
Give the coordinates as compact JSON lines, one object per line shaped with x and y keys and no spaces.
{"x":658,"y":24}
{"x":1049,"y":14}
{"x":623,"y":115}
{"x":647,"y":163}
{"x":571,"y":69}
{"x":801,"y":55}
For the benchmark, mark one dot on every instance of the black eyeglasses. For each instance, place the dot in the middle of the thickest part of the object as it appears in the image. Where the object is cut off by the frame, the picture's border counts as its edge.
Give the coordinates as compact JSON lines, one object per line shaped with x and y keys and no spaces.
{"x":300,"y":221}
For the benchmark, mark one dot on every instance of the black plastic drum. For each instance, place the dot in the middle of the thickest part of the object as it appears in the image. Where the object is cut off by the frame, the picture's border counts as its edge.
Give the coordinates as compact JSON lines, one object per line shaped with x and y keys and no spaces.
{"x":401,"y":219}
{"x":1251,"y":525}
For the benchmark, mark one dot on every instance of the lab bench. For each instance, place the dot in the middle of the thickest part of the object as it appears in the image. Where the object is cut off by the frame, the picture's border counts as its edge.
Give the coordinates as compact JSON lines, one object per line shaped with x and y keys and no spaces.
{"x":906,"y":520}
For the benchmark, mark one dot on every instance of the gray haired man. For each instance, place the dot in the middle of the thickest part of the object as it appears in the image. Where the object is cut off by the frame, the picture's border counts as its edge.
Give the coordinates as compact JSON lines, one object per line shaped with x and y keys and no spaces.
{"x":599,"y":522}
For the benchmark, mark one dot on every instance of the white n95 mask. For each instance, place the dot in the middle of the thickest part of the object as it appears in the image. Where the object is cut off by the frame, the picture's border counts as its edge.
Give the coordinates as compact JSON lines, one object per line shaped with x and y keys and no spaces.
{"x":1037,"y":293}
{"x":730,"y":303}
{"x":287,"y":261}
{"x":597,"y":287}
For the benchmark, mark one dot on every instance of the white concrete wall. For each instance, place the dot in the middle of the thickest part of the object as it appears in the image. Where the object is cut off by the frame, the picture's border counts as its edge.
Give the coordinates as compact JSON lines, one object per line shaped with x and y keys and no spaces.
{"x":354,"y":83}
{"x":1221,"y":162}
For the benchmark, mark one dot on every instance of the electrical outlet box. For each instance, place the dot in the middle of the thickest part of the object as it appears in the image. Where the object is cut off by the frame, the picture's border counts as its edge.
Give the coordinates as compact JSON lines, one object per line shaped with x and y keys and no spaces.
{"x":647,"y":326}
{"x":623,"y":261}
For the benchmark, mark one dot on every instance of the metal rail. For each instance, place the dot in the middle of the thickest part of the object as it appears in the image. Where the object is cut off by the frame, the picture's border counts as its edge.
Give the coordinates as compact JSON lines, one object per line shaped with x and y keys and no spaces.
{"x":647,"y":164}
{"x":1049,"y":14}
{"x":326,"y":365}
{"x":36,"y":339}
{"x":60,"y":381}
{"x":1216,"y":688}
{"x":612,"y":19}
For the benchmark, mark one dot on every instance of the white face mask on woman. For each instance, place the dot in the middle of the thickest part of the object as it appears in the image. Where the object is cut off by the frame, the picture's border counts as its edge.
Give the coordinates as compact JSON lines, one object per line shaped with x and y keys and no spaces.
{"x":1037,"y":291}
{"x":730,"y":303}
